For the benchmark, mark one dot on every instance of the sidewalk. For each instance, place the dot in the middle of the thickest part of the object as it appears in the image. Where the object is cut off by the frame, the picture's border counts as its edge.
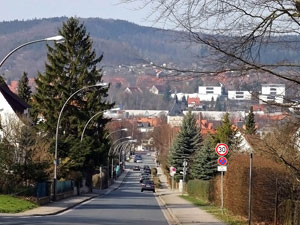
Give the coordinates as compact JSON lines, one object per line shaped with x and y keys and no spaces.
{"x":54,"y":208}
{"x":182,"y":211}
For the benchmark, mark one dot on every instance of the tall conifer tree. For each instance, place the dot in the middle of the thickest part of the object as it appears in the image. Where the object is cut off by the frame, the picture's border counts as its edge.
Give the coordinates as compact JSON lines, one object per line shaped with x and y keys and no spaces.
{"x":73,"y":64}
{"x":188,"y":140}
{"x":24,"y":91}
{"x":250,"y":122}
{"x":204,"y":166}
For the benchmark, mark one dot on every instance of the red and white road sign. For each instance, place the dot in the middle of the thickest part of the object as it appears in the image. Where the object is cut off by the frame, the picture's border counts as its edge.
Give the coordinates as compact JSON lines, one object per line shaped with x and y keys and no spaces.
{"x":222,"y":161}
{"x":222,"y":149}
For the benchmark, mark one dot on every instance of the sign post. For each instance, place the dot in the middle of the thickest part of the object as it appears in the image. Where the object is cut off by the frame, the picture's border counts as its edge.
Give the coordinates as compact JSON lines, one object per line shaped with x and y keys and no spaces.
{"x":222,"y":150}
{"x":184,"y":173}
{"x":172,"y":173}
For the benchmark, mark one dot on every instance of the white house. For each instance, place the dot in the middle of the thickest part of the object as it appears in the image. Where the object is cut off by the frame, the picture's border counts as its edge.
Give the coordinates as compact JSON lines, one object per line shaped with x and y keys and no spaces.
{"x":239,"y":95}
{"x":272,"y":92}
{"x":11,"y":107}
{"x":207,"y":93}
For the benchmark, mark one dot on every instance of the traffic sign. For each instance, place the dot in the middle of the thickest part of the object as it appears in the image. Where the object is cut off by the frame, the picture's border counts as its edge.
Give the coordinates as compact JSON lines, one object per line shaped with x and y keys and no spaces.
{"x":222,"y":168}
{"x":222,"y":161}
{"x":222,"y":149}
{"x":172,"y":171}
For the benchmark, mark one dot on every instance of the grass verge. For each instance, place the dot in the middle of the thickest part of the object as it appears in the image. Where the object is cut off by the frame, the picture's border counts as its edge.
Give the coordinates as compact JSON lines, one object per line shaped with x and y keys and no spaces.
{"x":217,"y":212}
{"x":9,"y":204}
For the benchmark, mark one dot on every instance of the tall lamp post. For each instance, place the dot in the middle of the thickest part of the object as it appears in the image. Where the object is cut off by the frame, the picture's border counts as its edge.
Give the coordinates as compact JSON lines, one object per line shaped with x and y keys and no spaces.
{"x":56,"y":135}
{"x":55,"y":38}
{"x":109,"y":152}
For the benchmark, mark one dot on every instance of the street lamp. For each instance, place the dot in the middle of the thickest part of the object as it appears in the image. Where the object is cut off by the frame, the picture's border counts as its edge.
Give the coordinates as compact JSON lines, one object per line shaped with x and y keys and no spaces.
{"x":57,"y":126}
{"x":112,"y":160}
{"x":87,"y":123}
{"x":55,"y":38}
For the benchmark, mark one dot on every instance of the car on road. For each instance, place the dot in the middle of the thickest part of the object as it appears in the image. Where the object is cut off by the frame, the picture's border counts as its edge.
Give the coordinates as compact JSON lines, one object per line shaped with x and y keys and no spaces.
{"x":148,"y":185}
{"x":139,"y":161}
{"x":136,"y":168}
{"x":144,"y":177}
{"x":148,"y":154}
{"x":146,"y":167}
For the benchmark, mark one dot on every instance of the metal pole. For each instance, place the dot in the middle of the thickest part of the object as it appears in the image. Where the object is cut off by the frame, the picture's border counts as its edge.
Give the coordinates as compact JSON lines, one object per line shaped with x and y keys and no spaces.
{"x":112,"y":168}
{"x":250,"y":189}
{"x":100,"y":178}
{"x":276,"y":203}
{"x":173,"y":182}
{"x":222,"y":191}
{"x":56,"y":135}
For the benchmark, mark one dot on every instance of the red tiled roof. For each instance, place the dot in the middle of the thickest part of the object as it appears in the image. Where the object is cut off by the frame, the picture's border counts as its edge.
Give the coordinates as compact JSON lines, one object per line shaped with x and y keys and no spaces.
{"x":196,"y":101}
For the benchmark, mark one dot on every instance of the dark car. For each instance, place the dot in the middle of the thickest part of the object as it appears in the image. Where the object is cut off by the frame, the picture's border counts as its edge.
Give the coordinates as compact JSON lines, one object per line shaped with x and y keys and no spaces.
{"x":146,"y":167}
{"x":136,"y":168}
{"x":144,"y":177}
{"x":147,"y":171}
{"x":148,"y":185}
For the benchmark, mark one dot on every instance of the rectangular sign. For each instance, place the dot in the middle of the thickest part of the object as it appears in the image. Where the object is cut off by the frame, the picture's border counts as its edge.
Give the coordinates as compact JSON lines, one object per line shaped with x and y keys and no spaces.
{"x":222,"y":168}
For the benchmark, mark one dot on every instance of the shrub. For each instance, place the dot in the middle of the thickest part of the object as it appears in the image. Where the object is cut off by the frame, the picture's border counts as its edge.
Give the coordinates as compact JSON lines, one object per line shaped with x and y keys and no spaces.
{"x":199,"y":189}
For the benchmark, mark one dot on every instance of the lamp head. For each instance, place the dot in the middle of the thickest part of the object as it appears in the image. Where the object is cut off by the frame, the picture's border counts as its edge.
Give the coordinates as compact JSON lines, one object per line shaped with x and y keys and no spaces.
{"x":55,"y":38}
{"x":124,"y":129}
{"x":129,"y":137}
{"x":101,"y":84}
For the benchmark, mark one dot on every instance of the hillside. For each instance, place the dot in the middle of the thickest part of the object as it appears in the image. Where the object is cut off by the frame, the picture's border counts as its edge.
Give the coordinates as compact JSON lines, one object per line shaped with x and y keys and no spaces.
{"x":121,"y":42}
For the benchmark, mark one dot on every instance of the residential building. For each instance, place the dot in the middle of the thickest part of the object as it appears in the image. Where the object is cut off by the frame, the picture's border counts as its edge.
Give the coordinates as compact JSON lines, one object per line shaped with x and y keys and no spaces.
{"x":158,"y":89}
{"x":239,"y":95}
{"x":208,"y":93}
{"x":12,"y":107}
{"x":194,"y":103}
{"x":133,"y":90}
{"x":272,"y":93}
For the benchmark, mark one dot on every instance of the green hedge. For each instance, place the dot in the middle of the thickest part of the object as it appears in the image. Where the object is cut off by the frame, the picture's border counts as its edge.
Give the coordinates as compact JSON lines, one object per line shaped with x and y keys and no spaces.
{"x":199,"y":189}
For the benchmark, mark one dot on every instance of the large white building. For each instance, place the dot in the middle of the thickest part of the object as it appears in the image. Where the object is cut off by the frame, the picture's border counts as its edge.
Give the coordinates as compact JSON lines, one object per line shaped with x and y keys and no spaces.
{"x":239,"y":95}
{"x":272,"y":92}
{"x":208,"y":93}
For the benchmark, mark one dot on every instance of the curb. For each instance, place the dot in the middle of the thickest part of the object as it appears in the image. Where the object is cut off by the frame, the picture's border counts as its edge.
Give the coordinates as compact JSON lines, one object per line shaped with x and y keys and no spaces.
{"x":73,"y":205}
{"x":169,"y":215}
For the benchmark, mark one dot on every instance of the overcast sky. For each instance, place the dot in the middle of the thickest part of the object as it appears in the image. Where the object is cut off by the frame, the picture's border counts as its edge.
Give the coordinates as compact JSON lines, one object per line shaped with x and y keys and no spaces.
{"x":30,"y":9}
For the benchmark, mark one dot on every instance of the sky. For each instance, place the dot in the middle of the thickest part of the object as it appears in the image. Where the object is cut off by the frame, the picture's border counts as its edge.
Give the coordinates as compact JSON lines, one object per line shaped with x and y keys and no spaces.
{"x":106,"y":9}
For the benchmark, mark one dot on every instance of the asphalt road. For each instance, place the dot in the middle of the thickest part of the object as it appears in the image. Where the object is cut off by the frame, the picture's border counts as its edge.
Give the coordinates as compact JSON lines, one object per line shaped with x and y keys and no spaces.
{"x":126,"y":205}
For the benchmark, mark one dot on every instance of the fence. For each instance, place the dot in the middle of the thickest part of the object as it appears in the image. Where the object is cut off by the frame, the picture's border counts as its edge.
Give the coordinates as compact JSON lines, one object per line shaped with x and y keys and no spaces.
{"x":64,"y":186}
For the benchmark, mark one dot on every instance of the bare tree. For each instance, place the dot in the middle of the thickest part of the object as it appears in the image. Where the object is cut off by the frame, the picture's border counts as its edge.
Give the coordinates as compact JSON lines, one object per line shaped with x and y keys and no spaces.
{"x":237,"y":33}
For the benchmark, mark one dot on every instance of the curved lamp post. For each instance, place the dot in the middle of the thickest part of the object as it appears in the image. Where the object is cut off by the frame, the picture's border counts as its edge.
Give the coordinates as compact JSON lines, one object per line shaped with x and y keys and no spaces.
{"x":55,"y":38}
{"x":87,"y":123}
{"x":56,"y":135}
{"x":112,"y":160}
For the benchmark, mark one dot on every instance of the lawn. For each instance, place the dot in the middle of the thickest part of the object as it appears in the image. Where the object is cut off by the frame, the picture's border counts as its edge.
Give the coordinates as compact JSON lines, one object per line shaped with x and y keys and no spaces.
{"x":216,"y":211}
{"x":9,"y":204}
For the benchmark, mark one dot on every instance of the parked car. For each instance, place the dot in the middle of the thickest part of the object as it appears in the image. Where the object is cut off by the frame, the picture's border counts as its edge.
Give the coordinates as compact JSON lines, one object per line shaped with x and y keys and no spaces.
{"x":139,"y":161}
{"x":136,"y":168}
{"x":148,"y":185}
{"x":146,"y":167}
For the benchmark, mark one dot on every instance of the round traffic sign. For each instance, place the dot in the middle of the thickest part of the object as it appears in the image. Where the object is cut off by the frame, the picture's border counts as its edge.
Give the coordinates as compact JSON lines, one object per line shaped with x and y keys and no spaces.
{"x":222,"y":149}
{"x":222,"y":161}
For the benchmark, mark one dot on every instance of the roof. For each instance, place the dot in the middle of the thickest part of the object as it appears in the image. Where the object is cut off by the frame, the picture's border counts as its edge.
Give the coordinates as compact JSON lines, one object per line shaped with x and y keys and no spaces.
{"x":17,"y":104}
{"x":176,"y":109}
{"x":160,"y":88}
{"x":133,"y":90}
{"x":193,"y":100}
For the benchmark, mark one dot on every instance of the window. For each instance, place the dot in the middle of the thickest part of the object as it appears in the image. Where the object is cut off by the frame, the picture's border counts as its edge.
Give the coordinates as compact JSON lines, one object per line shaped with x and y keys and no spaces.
{"x":239,"y":92}
{"x":271,"y":98}
{"x":273,"y":89}
{"x":209,"y":92}
{"x":239,"y":96}
{"x":209,"y":88}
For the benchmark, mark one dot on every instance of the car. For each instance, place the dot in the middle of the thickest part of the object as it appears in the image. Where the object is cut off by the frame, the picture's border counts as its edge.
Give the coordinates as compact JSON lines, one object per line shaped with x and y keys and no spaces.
{"x":148,"y":185}
{"x":147,"y":171}
{"x":146,"y":167}
{"x":136,"y":168}
{"x":139,"y":161}
{"x":144,"y":177}
{"x":148,"y":154}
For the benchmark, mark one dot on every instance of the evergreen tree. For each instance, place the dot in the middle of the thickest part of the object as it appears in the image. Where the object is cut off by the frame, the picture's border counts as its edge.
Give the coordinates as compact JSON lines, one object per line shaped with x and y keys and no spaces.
{"x":250,"y":122}
{"x":24,"y":91}
{"x":226,"y":133}
{"x":205,"y":161}
{"x":73,"y":65}
{"x":186,"y":143}
{"x":167,"y":94}
{"x":184,"y":102}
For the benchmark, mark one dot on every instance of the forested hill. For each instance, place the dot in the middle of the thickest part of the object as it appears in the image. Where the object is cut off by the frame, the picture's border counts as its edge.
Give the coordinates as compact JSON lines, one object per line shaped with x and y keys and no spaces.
{"x":121,"y":42}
